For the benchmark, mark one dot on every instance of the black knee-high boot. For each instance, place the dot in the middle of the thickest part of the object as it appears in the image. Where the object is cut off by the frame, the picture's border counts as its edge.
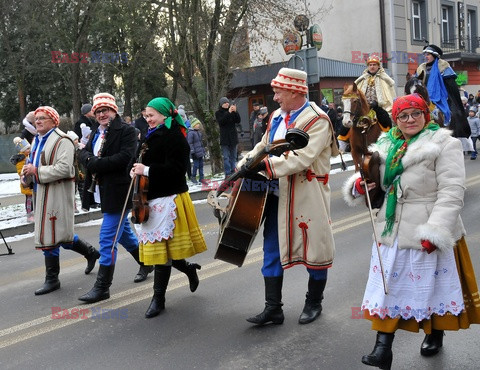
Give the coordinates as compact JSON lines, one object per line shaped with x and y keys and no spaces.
{"x":160,"y":282}
{"x":313,"y":302}
{"x":189,"y":269}
{"x":88,"y":251}
{"x":101,"y":288}
{"x":52,"y":269}
{"x":432,"y":343}
{"x":143,"y":271}
{"x":273,"y":303}
{"x":382,"y":354}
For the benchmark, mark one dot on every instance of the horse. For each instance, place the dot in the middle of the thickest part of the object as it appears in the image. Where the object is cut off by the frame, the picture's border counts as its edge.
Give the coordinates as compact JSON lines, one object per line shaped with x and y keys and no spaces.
{"x":362,"y":121}
{"x":416,"y":86}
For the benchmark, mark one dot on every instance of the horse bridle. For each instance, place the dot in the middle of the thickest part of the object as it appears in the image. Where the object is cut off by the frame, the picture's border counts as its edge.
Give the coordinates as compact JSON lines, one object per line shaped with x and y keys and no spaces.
{"x":356,"y":114}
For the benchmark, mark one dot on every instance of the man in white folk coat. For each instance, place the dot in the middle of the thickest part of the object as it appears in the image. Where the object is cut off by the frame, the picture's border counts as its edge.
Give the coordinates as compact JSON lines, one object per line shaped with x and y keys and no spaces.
{"x":51,"y":172}
{"x":297,"y":228}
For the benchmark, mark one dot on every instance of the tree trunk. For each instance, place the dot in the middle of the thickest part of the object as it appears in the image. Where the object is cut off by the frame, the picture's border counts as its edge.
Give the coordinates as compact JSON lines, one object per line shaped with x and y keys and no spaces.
{"x":75,"y":85}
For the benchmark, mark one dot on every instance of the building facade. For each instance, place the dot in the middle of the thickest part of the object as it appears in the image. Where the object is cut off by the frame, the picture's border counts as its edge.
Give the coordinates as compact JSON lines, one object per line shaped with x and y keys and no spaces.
{"x":395,"y":30}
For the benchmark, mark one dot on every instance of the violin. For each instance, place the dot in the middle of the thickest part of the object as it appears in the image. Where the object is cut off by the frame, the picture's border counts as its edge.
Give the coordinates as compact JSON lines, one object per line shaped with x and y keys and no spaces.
{"x":140,"y":209}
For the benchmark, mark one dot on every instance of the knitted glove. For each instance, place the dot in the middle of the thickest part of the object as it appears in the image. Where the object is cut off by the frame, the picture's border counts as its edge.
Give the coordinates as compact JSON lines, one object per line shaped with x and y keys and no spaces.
{"x":427,"y":246}
{"x":86,"y":131}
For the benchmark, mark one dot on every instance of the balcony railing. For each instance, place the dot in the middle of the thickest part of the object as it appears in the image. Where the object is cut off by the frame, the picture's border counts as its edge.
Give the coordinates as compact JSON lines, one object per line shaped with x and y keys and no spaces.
{"x":461,"y":45}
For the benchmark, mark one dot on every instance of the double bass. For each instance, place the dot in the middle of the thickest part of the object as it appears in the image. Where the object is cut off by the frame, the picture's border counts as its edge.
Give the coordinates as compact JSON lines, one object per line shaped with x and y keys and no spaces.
{"x":240,"y":220}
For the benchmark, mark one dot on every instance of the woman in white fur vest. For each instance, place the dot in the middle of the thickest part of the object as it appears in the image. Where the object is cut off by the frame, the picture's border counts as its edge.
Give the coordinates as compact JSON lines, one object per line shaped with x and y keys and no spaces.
{"x":421,"y":235}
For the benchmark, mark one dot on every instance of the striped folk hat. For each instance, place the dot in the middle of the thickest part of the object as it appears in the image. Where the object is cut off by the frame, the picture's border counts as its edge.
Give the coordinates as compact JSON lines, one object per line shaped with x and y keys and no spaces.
{"x":49,"y":111}
{"x":104,"y":100}
{"x":291,"y":79}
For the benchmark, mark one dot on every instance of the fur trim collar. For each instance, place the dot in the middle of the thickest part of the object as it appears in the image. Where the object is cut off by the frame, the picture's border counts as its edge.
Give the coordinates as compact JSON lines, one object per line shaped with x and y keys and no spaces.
{"x":427,"y":147}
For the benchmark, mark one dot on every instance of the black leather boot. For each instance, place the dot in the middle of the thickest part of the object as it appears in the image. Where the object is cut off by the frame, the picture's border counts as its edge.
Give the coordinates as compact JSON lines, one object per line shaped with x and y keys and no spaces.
{"x":313,"y":302}
{"x":88,"y":251}
{"x":52,"y":268}
{"x":143,"y":271}
{"x":382,"y":354}
{"x":100,"y":290}
{"x":189,"y":269}
{"x":160,"y":282}
{"x":432,"y":343}
{"x":273,"y":307}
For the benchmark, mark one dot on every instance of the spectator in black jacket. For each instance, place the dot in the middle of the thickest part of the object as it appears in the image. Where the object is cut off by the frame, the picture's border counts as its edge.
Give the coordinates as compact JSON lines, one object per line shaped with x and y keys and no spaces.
{"x":87,"y":117}
{"x":141,"y":124}
{"x":228,"y":119}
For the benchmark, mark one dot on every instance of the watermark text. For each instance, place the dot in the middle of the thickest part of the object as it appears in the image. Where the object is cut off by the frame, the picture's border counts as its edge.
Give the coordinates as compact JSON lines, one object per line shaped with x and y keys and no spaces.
{"x":100,"y":313}
{"x":92,"y":57}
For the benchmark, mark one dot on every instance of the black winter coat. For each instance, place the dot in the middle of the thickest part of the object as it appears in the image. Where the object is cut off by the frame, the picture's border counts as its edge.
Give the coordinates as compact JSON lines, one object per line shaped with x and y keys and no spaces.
{"x":227,"y":122}
{"x":168,"y":156}
{"x":112,"y":169}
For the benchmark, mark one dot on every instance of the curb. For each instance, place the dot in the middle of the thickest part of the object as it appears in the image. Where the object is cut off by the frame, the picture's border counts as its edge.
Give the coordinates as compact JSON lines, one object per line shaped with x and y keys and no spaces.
{"x":81,"y":217}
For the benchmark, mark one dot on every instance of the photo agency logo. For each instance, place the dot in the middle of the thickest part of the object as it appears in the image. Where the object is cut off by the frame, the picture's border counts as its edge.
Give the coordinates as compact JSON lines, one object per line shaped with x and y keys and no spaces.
{"x":247,"y":185}
{"x":92,"y":57}
{"x":394,"y":57}
{"x":95,"y":313}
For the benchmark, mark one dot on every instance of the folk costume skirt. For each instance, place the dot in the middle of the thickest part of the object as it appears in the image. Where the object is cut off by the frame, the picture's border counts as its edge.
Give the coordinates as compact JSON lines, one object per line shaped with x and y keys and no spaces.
{"x":171,"y":231}
{"x":458,"y":312}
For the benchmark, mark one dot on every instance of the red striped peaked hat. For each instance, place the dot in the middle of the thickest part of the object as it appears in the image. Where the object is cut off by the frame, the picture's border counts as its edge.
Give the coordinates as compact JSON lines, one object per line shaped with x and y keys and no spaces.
{"x":291,"y":79}
{"x":104,"y":100}
{"x":49,"y":111}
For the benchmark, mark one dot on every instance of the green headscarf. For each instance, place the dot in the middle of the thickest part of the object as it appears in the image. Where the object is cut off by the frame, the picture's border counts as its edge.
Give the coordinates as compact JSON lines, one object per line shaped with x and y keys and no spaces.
{"x":394,"y":168}
{"x":166,"y":107}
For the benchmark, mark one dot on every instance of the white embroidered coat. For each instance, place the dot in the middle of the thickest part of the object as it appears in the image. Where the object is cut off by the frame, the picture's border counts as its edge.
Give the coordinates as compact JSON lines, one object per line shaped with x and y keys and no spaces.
{"x":305,"y":233}
{"x":54,"y":197}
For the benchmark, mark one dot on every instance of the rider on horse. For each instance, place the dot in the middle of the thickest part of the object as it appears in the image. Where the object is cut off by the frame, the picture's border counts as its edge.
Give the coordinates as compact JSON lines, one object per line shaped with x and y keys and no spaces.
{"x":376,"y":84}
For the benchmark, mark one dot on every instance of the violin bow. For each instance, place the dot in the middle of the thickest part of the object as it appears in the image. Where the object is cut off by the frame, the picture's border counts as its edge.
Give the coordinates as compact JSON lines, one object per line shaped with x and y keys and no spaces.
{"x":142,"y":151}
{"x":369,"y":203}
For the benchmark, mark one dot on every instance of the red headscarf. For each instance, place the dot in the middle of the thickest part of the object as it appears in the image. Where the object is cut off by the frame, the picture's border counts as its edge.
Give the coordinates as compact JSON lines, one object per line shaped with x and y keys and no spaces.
{"x":410,"y":101}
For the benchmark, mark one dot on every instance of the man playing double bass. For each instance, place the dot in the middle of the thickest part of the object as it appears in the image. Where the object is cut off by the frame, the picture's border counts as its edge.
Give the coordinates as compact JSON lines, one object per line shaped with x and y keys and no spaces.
{"x":107,"y":157}
{"x":297,"y":229}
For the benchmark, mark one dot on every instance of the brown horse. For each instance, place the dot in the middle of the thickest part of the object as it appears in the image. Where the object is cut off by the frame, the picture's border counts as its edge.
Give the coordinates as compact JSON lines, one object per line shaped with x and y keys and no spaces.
{"x":362,"y":121}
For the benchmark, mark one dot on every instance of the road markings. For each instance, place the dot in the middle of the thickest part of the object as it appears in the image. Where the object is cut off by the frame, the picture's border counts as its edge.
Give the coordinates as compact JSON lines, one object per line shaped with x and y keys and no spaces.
{"x":47,"y":324}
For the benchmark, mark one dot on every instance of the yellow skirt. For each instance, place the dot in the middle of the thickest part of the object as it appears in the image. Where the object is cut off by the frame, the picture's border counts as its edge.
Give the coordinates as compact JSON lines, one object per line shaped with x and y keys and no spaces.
{"x":187,"y":237}
{"x":471,"y":314}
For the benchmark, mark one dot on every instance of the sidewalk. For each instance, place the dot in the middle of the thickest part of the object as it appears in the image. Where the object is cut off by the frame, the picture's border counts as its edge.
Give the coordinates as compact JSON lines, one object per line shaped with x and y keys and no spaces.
{"x":19,"y":225}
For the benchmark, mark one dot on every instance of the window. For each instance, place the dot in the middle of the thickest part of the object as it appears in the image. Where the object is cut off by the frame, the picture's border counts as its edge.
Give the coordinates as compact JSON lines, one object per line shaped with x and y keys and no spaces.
{"x":447,"y":25}
{"x":445,"y":33}
{"x":418,"y":23}
{"x":472,"y":33}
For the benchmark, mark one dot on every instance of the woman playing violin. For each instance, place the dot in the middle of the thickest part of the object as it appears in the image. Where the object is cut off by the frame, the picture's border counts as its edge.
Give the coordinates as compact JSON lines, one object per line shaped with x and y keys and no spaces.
{"x":171,"y":232}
